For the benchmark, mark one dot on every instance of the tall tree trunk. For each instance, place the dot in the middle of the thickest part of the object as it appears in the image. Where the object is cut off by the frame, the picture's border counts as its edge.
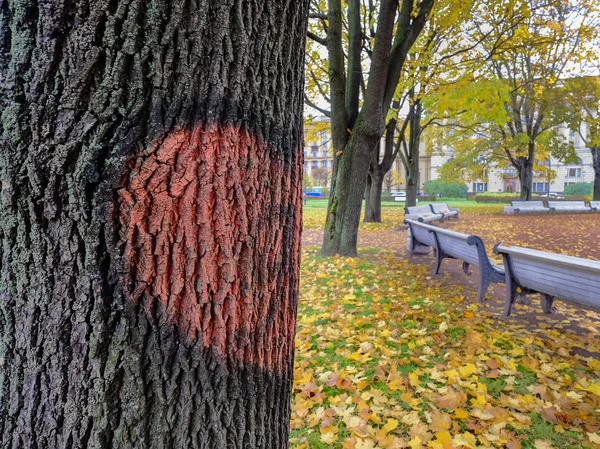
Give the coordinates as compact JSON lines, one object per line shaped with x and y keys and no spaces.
{"x":352,"y":156}
{"x":368,"y":187}
{"x":373,"y":213}
{"x":525,"y":170}
{"x":596,"y":164}
{"x":149,"y":241}
{"x":412,"y":181}
{"x":377,"y":172}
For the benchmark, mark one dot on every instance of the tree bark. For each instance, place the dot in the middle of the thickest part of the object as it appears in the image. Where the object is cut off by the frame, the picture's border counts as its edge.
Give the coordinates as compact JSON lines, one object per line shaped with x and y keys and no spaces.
{"x":596,"y":164}
{"x":377,"y":172}
{"x":151,"y":174}
{"x":373,"y":213}
{"x":525,"y":171}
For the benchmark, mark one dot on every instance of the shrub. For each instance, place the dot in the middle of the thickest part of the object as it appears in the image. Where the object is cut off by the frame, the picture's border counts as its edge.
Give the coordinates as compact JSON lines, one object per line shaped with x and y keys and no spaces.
{"x":581,"y":188}
{"x":493,"y":198}
{"x":446,"y":189}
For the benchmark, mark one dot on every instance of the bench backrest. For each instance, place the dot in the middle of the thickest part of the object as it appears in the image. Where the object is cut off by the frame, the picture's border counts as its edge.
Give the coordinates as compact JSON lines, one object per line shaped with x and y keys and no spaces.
{"x":566,"y":277}
{"x":528,"y":204}
{"x":567,"y":204}
{"x":420,"y":232}
{"x":456,"y":245}
{"x":453,"y":243}
{"x":440,"y":208}
{"x":418,"y":210}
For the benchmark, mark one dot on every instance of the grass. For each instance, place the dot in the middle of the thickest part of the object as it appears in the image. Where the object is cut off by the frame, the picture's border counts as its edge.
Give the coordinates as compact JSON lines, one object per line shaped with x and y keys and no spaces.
{"x":382,"y":345}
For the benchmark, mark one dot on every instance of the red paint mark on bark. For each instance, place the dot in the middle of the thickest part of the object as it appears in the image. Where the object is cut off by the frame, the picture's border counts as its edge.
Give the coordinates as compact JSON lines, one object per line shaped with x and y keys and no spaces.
{"x":211,"y":223}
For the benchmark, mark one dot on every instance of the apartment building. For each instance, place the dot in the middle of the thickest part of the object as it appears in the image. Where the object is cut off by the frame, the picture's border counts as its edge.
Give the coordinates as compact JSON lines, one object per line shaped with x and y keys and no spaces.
{"x":507,"y":180}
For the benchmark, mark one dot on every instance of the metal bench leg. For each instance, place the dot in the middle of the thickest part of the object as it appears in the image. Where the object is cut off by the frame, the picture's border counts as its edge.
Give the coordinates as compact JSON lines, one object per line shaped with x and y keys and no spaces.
{"x":546,"y":302}
{"x":511,"y":287}
{"x":484,"y":283}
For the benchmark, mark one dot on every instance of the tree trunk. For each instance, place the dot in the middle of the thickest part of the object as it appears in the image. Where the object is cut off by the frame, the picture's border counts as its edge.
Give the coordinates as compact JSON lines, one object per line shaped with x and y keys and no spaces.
{"x":411,"y":185}
{"x":375,"y":185}
{"x":353,"y":156}
{"x":151,"y":179}
{"x":525,"y":170}
{"x":368,"y":198}
{"x":596,"y":164}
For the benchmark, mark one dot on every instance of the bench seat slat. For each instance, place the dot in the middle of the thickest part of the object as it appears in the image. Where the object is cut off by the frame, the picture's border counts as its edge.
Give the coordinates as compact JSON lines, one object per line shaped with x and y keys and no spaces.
{"x":552,"y":282}
{"x":569,"y":278}
{"x":458,"y":248}
{"x":547,"y":270}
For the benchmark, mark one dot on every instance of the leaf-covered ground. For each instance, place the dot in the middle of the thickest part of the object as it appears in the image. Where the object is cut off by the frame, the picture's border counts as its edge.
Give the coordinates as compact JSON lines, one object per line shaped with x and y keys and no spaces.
{"x":389,"y":356}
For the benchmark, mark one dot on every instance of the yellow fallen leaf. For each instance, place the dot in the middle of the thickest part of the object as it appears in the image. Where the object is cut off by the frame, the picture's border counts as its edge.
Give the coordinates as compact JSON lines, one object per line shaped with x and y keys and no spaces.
{"x":390,"y":425}
{"x":466,"y":439}
{"x":461,"y":413}
{"x":415,"y":443}
{"x":395,"y":384}
{"x":414,"y":379}
{"x":444,"y":437}
{"x":542,"y":444}
{"x":467,"y":370}
{"x":479,"y":401}
{"x":594,"y":437}
{"x":594,"y":388}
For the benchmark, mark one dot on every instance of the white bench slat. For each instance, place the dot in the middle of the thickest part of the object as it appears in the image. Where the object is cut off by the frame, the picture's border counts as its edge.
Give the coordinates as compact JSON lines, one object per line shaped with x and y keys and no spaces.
{"x":553,"y":275}
{"x":554,"y":281}
{"x":529,"y":206}
{"x":456,"y":245}
{"x":570,"y":206}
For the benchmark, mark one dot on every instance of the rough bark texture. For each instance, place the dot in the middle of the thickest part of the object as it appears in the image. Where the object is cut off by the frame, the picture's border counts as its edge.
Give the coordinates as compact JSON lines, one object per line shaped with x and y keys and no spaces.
{"x":150,"y":161}
{"x":596,"y":165}
{"x":525,"y":170}
{"x":377,"y":172}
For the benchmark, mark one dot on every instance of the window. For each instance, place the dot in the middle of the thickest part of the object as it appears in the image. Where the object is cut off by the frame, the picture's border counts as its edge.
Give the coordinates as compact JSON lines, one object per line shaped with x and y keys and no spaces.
{"x":480,"y":187}
{"x":315,"y":164}
{"x":511,"y":173}
{"x":541,"y":187}
{"x":315,"y":150}
{"x":324,"y":164}
{"x":574,"y":172}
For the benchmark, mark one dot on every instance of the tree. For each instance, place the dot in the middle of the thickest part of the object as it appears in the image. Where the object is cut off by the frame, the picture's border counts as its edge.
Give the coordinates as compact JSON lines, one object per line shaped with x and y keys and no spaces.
{"x":436,"y":56}
{"x":388,"y":34}
{"x":150,"y":163}
{"x":579,"y":107}
{"x":522,"y":76}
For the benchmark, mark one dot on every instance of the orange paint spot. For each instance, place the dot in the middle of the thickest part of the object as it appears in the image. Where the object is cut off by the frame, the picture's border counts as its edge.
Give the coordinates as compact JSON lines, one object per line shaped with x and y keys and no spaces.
{"x":211,"y":223}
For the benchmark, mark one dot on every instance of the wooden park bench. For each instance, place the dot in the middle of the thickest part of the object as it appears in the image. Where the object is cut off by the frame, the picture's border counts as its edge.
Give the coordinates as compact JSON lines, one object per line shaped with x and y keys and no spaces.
{"x":595,"y":205}
{"x":529,"y":206}
{"x":442,"y":208}
{"x":422,"y":214}
{"x":455,"y":245}
{"x":552,"y":275}
{"x":568,"y":206}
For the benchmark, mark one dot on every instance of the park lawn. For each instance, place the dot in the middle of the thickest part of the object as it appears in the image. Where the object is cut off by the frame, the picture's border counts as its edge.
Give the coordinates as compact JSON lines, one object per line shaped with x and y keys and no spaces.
{"x":314,"y":213}
{"x":387,"y":358}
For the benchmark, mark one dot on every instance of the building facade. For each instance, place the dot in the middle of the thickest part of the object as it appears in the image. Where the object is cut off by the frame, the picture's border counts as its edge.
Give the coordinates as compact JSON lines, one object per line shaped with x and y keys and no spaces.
{"x":506,"y":180}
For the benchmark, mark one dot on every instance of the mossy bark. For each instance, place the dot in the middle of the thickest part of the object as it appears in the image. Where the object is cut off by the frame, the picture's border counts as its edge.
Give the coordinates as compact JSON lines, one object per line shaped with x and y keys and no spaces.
{"x":151,"y":173}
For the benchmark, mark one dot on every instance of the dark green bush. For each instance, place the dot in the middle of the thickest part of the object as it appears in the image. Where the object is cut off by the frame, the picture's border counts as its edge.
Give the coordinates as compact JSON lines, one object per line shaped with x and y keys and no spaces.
{"x":581,"y":188}
{"x":446,"y":189}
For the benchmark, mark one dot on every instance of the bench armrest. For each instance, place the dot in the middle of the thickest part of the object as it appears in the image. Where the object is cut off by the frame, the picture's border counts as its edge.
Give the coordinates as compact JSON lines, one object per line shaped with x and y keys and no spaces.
{"x":516,"y":209}
{"x":552,"y":209}
{"x":454,"y":208}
